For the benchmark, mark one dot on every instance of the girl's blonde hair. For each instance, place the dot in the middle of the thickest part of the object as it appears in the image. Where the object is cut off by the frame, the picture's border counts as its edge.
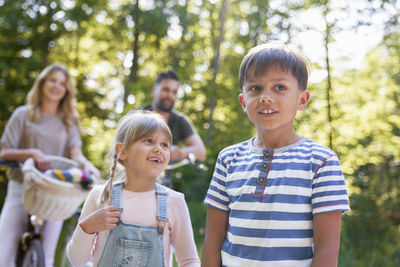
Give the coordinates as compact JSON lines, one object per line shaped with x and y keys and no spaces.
{"x":131,"y":128}
{"x":67,"y":108}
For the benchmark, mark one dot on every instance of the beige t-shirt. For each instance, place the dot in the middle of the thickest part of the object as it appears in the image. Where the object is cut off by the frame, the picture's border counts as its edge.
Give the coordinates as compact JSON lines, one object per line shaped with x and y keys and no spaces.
{"x":50,"y":135}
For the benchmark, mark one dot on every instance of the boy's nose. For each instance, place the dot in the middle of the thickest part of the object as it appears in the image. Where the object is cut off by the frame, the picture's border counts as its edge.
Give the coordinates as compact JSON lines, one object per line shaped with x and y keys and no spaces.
{"x":265,"y":98}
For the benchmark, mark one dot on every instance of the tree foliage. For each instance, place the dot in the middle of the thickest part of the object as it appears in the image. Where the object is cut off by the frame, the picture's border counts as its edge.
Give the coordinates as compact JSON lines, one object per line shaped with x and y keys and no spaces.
{"x":114,"y":50}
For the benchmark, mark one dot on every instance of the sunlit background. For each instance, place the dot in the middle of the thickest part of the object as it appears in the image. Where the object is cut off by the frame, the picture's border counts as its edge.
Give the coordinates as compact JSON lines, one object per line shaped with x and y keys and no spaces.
{"x":114,"y":50}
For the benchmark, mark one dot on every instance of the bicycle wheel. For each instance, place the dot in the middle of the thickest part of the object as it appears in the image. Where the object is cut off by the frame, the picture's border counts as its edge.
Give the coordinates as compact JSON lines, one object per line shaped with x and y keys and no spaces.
{"x":33,"y":256}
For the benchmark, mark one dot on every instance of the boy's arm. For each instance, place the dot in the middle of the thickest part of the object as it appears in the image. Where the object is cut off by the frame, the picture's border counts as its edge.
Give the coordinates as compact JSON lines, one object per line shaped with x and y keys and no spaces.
{"x":216,"y":229}
{"x":326,"y":238}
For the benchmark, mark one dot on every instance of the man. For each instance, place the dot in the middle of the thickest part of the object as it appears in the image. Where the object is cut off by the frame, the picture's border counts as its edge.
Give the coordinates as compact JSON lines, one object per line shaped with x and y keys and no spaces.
{"x":164,"y":92}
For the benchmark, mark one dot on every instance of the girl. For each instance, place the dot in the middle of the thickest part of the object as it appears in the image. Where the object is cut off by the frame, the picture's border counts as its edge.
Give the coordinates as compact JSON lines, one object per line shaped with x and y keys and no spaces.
{"x":144,"y":217}
{"x":47,"y":125}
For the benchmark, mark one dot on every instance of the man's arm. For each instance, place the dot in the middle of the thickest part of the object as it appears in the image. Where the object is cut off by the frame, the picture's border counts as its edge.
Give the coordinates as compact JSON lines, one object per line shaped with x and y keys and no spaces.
{"x":216,"y":228}
{"x":326,"y":239}
{"x":193,"y":144}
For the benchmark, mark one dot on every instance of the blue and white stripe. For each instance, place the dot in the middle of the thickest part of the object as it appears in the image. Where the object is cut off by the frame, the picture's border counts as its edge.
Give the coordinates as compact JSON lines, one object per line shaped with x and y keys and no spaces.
{"x":274,"y":225}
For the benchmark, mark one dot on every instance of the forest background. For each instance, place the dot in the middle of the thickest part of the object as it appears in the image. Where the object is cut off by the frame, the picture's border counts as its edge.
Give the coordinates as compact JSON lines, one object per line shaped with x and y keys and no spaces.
{"x":114,"y":49}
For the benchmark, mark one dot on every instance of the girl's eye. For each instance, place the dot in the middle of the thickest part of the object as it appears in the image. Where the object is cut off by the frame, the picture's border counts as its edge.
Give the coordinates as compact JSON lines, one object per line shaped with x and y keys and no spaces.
{"x":165,"y":145}
{"x":280,"y":87}
{"x":148,"y":140}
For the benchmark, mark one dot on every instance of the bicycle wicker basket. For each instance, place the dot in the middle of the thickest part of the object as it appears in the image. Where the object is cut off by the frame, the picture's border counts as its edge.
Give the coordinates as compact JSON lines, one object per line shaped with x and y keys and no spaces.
{"x":48,"y":197}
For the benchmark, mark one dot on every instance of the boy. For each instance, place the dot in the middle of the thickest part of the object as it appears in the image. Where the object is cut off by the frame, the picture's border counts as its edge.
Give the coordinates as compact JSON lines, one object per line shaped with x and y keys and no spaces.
{"x":276,"y":199}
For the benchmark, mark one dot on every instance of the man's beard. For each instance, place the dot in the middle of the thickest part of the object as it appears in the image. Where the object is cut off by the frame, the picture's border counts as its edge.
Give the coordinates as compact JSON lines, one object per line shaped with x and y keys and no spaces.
{"x":161,"y":105}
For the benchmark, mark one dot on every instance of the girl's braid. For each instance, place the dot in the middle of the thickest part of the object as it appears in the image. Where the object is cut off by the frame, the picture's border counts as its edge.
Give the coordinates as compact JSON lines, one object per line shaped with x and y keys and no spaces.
{"x":109,"y":185}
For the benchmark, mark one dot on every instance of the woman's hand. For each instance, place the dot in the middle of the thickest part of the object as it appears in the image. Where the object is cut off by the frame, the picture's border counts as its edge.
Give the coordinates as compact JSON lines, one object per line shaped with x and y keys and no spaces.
{"x":76,"y":155}
{"x":90,"y":168}
{"x":102,"y":219}
{"x":42,"y":162}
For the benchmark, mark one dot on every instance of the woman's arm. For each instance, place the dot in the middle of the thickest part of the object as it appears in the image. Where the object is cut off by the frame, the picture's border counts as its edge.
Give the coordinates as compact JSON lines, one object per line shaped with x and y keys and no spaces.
{"x":326,"y":239}
{"x":42,"y":162}
{"x":77,"y":155}
{"x":216,"y":228}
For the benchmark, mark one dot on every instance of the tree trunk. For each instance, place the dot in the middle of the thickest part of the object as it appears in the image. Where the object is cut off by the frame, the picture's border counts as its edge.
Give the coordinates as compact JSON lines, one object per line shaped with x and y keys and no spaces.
{"x":216,"y":67}
{"x":329,"y":81}
{"x":135,"y":49}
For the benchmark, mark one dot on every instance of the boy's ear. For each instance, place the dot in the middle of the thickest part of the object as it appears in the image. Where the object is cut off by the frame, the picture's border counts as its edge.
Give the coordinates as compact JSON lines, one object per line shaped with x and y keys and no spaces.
{"x":241,"y":101}
{"x":120,"y":151}
{"x":303,"y":100}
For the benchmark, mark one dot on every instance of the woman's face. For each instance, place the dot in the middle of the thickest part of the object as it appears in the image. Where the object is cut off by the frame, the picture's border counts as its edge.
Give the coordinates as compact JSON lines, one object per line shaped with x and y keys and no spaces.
{"x":55,"y":87}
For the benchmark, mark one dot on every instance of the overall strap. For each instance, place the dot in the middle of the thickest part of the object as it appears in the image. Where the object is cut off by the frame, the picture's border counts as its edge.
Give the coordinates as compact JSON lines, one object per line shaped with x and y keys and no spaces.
{"x":161,"y":207}
{"x":116,"y":195}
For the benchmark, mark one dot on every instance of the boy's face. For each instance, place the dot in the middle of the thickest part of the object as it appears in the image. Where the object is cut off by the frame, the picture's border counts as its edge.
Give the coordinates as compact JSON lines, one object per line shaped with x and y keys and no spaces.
{"x":271,"y":100}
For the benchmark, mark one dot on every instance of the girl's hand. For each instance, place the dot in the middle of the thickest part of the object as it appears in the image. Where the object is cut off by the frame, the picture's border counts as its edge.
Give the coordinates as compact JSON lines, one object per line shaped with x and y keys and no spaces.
{"x":42,"y":162}
{"x":102,"y":219}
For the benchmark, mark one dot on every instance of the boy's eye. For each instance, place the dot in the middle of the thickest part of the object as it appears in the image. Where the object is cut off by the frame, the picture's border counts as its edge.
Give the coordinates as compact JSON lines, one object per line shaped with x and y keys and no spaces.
{"x":280,"y":87}
{"x":254,"y":89}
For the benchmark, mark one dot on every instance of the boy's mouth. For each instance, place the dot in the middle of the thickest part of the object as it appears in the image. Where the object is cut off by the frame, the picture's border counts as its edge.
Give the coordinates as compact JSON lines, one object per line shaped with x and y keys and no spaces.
{"x":268,"y":111}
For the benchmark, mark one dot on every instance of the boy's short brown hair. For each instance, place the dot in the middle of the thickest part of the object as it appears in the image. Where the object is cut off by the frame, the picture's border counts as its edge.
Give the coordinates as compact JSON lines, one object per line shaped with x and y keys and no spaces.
{"x":273,"y":54}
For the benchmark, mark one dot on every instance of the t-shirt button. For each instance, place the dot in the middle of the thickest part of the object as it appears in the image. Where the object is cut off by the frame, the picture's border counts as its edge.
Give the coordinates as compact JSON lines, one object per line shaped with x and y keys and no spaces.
{"x":264,"y":165}
{"x":266,"y":152}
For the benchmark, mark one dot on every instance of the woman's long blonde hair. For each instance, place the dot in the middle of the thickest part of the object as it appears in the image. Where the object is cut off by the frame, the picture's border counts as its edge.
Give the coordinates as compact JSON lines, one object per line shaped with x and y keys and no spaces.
{"x":131,"y":128}
{"x":67,"y":109}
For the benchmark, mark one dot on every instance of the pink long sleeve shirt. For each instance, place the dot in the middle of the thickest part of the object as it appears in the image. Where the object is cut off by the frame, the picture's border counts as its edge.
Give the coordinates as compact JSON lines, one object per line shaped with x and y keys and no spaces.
{"x":138,"y":208}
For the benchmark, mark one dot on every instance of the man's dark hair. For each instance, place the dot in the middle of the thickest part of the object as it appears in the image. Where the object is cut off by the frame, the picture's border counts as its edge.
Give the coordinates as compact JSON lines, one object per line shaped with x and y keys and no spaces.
{"x":166,"y":75}
{"x":274,"y":54}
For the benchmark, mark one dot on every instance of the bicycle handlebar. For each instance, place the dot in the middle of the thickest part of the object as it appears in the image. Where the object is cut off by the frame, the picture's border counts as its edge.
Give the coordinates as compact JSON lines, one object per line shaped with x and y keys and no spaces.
{"x":7,"y":163}
{"x":191,"y":159}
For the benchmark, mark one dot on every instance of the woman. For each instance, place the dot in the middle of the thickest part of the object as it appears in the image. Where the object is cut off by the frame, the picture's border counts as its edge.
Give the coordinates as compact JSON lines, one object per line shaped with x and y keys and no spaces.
{"x":47,"y":125}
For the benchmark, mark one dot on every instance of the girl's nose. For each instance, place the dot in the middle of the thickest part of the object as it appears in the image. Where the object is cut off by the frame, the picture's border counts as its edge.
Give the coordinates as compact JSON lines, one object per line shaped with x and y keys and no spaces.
{"x":157,"y":149}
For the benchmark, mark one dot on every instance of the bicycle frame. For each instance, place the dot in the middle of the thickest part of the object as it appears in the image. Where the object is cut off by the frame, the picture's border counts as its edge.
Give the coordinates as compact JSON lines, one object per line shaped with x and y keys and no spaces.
{"x":30,"y":252}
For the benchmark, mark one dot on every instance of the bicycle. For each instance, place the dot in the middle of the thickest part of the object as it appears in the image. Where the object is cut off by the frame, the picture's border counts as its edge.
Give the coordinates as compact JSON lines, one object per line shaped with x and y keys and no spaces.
{"x":30,"y":251}
{"x":167,"y":176}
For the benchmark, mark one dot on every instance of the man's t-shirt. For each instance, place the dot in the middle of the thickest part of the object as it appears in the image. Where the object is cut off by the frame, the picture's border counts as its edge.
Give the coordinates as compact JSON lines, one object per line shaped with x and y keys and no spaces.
{"x":180,"y":126}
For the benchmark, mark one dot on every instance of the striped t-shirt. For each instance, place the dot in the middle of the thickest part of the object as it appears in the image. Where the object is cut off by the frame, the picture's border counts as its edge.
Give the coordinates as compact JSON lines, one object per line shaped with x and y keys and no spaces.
{"x":271,"y":196}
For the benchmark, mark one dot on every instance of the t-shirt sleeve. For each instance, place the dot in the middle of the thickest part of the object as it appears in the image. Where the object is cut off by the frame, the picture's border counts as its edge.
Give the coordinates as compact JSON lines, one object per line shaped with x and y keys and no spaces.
{"x":74,"y":137}
{"x":13,"y":132}
{"x":217,"y":196}
{"x":185,"y":127}
{"x":80,"y":246}
{"x":182,"y":234}
{"x":329,"y":191}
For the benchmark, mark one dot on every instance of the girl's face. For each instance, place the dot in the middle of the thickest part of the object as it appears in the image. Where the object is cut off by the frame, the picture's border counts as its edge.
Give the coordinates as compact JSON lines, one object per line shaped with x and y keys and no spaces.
{"x":148,"y":156}
{"x":55,"y":87}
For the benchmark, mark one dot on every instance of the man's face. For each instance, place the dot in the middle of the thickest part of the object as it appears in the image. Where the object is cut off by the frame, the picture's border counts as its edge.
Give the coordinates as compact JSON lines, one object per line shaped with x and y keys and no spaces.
{"x":165,"y":94}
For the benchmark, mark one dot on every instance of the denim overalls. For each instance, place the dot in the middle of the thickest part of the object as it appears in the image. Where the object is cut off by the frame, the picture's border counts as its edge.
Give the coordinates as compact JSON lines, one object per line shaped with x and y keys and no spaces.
{"x":131,"y":245}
